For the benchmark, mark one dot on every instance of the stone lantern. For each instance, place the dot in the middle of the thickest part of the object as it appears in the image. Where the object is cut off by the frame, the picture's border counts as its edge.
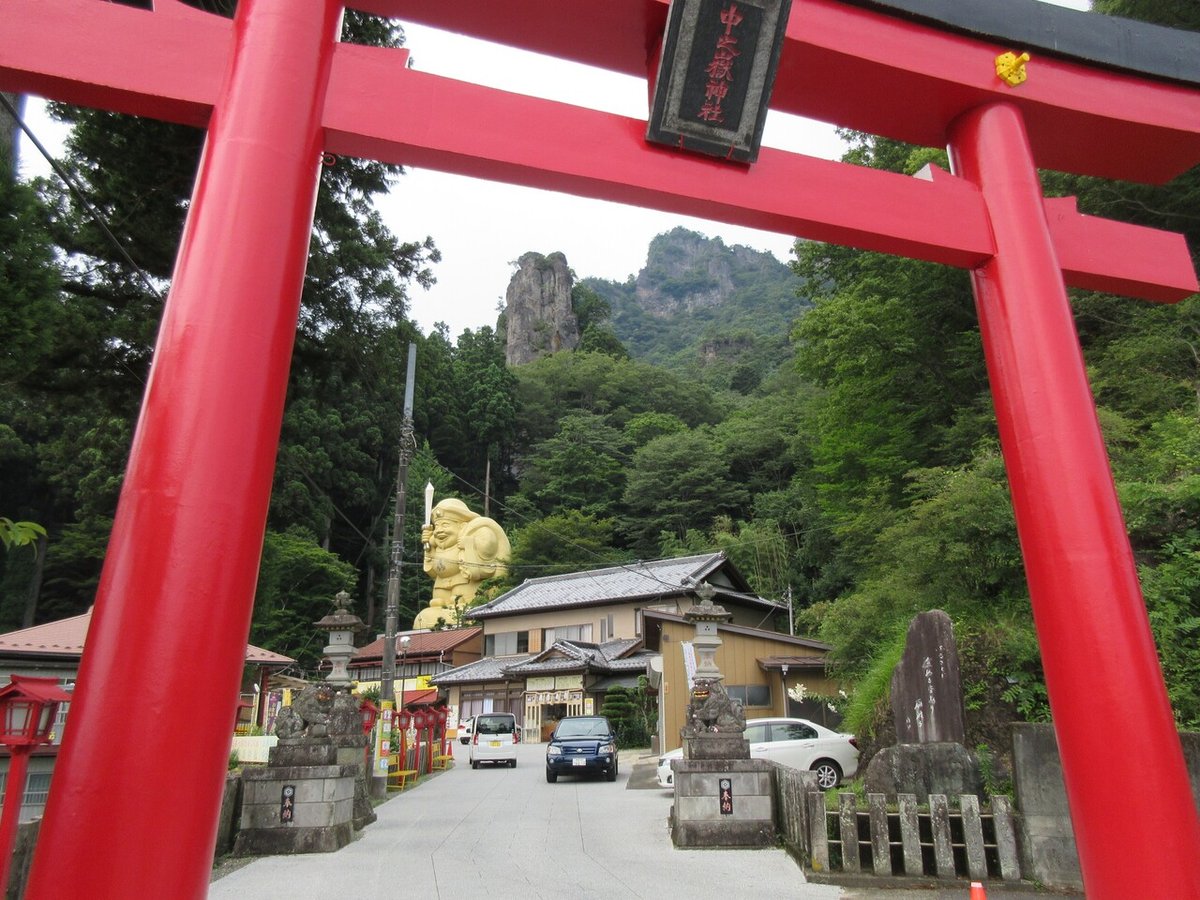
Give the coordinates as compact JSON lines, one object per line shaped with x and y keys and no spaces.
{"x":342,"y":625}
{"x":723,"y":798}
{"x":714,"y":723}
{"x":706,"y":617}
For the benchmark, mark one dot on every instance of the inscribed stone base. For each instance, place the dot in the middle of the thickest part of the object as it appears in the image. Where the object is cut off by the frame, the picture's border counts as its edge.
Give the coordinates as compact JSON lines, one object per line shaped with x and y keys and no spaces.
{"x":296,"y":809}
{"x":743,"y":817}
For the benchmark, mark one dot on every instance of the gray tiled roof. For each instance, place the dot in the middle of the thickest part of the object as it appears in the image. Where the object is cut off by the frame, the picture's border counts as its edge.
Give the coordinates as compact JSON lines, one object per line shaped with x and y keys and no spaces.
{"x":490,"y":668}
{"x":637,"y":580}
{"x":561,"y":656}
{"x":596,"y":658}
{"x":614,"y":649}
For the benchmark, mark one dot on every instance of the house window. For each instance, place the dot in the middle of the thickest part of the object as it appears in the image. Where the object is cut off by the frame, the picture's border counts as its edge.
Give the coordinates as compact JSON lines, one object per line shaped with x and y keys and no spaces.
{"x":750,"y":694}
{"x":506,"y":643}
{"x":566,"y":633}
{"x":607,"y":631}
{"x":637,"y":623}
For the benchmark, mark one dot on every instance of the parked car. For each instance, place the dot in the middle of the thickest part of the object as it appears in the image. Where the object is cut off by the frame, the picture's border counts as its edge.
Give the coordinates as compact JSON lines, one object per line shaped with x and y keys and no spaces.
{"x":582,"y":745}
{"x":465,"y":730}
{"x":798,"y":743}
{"x":494,"y":739}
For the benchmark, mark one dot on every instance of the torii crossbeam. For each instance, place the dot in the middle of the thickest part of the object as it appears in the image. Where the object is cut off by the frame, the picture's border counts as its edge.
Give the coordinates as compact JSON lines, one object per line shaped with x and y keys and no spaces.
{"x":275,"y":90}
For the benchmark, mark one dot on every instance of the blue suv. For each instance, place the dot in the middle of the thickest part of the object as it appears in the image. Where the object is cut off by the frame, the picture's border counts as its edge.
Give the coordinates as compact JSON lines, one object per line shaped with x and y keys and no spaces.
{"x":582,"y":745}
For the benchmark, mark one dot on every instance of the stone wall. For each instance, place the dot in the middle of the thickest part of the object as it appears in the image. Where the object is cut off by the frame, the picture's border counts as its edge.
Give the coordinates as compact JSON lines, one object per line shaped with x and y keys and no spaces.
{"x":1047,"y":840}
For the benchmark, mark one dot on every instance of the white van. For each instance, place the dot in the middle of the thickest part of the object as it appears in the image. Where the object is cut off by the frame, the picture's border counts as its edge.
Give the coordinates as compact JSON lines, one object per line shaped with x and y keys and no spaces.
{"x":494,"y":739}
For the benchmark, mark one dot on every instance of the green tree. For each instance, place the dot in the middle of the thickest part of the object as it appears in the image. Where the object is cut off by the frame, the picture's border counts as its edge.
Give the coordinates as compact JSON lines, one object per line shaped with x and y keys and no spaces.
{"x":581,"y":467}
{"x":678,"y":482}
{"x":629,"y":711}
{"x":601,"y":384}
{"x":569,"y":541}
{"x":297,"y":582}
{"x":19,"y":534}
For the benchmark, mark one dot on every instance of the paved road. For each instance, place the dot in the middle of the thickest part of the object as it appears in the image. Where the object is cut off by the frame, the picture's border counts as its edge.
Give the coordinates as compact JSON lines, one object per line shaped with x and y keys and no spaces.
{"x":505,"y":833}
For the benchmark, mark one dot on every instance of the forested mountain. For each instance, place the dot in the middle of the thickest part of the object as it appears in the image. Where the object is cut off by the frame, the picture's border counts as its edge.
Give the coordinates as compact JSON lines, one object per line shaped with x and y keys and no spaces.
{"x":706,"y":309}
{"x":847,"y":454}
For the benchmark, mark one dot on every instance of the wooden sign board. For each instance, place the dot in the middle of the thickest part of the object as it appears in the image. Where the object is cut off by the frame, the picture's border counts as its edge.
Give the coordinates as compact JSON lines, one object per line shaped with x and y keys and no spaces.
{"x":714,"y":79}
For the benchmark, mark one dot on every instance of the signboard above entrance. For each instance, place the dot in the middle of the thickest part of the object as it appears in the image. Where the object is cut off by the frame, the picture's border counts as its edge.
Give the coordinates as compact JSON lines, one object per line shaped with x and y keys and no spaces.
{"x":714,"y":78}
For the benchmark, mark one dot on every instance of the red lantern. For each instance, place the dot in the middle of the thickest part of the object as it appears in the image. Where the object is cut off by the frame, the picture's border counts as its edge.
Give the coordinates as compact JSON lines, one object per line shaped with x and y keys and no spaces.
{"x":370,"y":713}
{"x":403,"y":718}
{"x":28,"y":707}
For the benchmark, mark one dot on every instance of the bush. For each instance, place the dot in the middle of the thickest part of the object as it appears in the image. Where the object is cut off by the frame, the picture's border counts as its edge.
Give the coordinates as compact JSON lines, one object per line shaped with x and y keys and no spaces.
{"x":631,"y":713}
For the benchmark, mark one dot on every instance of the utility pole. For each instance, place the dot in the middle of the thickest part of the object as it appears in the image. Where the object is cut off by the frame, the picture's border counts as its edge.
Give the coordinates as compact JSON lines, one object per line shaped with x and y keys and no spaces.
{"x":387,"y":690}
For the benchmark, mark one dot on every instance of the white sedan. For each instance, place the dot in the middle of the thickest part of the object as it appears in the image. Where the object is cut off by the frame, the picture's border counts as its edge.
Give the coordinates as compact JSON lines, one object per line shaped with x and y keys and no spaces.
{"x":798,"y":743}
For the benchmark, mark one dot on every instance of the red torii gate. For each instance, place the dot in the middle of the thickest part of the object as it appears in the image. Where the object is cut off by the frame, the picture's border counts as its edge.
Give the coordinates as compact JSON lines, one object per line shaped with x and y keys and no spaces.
{"x":276,"y":91}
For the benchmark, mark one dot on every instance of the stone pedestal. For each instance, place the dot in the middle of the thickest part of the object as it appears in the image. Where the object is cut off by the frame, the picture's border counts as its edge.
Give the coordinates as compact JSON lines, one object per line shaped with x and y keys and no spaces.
{"x":723,"y":803}
{"x":303,"y":802}
{"x":727,"y":745}
{"x":924,"y":769}
{"x":351,"y":751}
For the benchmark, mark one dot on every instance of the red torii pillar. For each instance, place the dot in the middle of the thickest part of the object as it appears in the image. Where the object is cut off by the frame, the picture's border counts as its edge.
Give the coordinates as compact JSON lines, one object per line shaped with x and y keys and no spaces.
{"x":174,"y":602}
{"x":184,"y":552}
{"x":1087,"y":602}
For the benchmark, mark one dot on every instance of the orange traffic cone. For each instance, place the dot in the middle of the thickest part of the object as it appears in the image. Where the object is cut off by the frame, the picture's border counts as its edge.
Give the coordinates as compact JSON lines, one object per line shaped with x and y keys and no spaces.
{"x":977,"y":891}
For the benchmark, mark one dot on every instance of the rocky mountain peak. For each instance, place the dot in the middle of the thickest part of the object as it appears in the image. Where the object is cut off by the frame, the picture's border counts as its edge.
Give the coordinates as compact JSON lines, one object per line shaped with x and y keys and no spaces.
{"x":686,"y":272}
{"x":539,"y":319}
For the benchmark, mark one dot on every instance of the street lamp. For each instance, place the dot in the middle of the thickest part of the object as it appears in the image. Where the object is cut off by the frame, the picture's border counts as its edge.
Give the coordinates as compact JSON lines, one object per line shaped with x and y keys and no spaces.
{"x":28,"y":707}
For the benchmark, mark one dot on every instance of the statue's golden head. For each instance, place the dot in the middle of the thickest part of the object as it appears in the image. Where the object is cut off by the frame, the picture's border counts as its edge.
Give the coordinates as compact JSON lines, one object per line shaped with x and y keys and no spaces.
{"x":453,"y":510}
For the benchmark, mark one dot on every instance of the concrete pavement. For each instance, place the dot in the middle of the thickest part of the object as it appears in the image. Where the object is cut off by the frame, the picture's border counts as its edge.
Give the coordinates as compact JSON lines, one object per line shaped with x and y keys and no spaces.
{"x":502,"y":833}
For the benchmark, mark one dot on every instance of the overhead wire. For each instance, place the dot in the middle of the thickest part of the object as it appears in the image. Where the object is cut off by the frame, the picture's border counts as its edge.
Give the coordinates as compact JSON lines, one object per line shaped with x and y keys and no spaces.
{"x":77,"y":191}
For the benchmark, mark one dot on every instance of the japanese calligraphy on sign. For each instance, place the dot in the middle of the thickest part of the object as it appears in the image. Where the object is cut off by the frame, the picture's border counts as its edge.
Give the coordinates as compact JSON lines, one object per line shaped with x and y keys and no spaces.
{"x":287,"y":803}
{"x":714,"y":80}
{"x":725,"y":787}
{"x":927,"y":703}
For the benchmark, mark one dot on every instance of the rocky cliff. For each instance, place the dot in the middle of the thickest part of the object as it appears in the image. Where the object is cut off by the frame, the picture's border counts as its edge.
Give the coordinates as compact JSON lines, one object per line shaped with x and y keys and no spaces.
{"x":701,"y":302}
{"x":538,"y":316}
{"x":686,"y":272}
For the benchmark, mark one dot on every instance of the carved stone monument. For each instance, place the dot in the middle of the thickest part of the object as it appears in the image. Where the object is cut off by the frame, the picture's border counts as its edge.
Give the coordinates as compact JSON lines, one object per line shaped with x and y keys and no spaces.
{"x":723,"y":798}
{"x":927,"y":701}
{"x":927,"y":707}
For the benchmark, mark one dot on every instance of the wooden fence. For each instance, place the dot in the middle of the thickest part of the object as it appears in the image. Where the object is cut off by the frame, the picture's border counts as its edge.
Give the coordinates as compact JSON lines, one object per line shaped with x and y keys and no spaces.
{"x":895,"y":836}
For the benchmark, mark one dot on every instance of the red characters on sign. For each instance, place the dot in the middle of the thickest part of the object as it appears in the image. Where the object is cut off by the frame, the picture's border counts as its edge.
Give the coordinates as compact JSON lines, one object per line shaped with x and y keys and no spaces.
{"x":720,"y":69}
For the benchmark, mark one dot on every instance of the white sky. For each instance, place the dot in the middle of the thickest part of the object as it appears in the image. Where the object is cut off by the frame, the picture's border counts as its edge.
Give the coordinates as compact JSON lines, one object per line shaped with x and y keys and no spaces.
{"x":482,"y":227}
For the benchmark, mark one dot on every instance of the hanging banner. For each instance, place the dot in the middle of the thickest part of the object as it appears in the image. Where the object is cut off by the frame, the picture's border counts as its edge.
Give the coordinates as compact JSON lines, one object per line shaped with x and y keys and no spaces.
{"x":689,"y":662}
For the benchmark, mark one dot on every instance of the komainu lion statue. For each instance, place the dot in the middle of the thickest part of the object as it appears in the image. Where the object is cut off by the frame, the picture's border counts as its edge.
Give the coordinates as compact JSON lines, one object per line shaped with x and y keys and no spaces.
{"x":314,"y":711}
{"x":712,"y":709}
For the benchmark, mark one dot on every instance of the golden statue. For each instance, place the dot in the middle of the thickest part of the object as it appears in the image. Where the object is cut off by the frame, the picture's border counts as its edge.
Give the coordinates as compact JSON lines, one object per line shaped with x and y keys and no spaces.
{"x":462,"y":548}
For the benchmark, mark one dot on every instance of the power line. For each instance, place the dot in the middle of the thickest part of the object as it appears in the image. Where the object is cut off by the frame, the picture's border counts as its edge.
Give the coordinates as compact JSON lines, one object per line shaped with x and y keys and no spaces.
{"x":77,"y":191}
